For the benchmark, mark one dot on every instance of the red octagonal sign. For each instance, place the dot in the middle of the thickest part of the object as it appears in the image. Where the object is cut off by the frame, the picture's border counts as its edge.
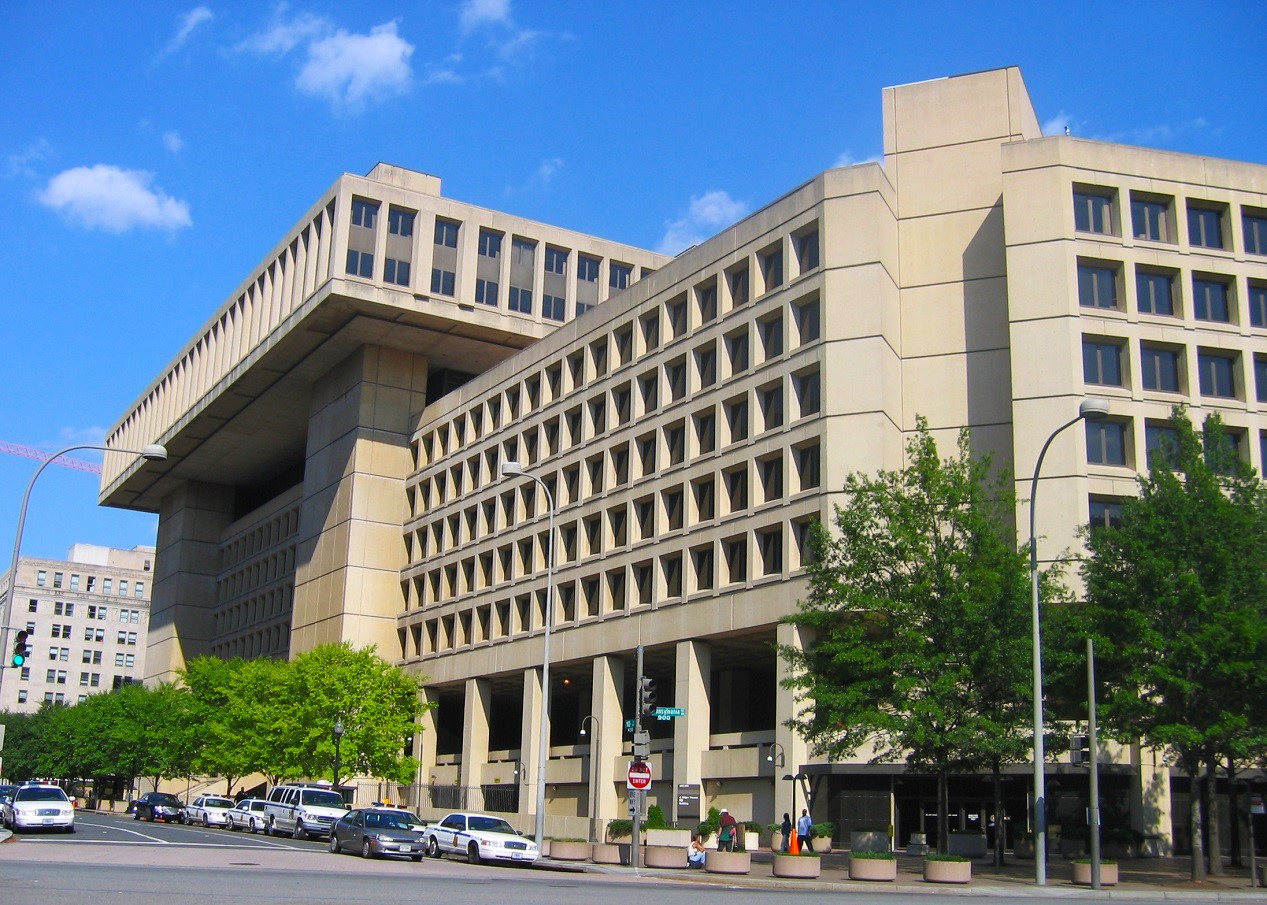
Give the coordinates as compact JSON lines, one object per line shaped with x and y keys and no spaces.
{"x":639,"y":775}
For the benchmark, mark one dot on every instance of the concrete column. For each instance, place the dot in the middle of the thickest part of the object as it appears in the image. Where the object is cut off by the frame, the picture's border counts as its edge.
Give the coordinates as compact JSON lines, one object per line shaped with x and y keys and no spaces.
{"x":475,"y":713}
{"x":186,"y":562}
{"x":796,"y":751}
{"x":691,"y":732}
{"x":529,"y":739}
{"x":1150,"y":796}
{"x":351,"y":547}
{"x":605,"y":743}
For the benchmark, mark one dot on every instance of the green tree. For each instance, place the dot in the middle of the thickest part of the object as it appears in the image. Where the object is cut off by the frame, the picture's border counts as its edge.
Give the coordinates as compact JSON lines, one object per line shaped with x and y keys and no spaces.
{"x":1177,"y":602}
{"x":918,"y":607}
{"x":376,"y":703}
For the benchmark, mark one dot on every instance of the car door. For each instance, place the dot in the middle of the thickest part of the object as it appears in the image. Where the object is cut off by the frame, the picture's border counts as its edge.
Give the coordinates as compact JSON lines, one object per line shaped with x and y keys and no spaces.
{"x":452,"y":831}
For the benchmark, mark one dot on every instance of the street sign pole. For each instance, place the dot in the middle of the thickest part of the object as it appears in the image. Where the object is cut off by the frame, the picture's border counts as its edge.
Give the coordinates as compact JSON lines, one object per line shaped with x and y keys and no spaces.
{"x":636,"y":849}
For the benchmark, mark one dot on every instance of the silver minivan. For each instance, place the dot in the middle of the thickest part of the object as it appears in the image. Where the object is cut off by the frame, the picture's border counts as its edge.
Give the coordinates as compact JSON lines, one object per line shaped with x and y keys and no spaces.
{"x":303,"y":810}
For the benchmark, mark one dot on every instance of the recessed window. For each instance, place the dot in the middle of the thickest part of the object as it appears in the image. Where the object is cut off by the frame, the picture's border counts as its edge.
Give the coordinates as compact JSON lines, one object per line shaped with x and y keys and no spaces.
{"x":556,"y":261}
{"x":737,"y":350}
{"x":702,"y":563}
{"x":1260,"y":377}
{"x":770,"y":548}
{"x":1154,"y":292}
{"x":587,"y":269}
{"x":772,"y":267}
{"x":619,"y":275}
{"x":1097,"y":285}
{"x":486,"y":292}
{"x":738,"y":284}
{"x":1093,"y":211}
{"x":703,"y":495}
{"x":770,"y":476}
{"x":396,"y":272}
{"x":1216,"y":373}
{"x":442,"y":281}
{"x":1159,"y":368}
{"x":1101,"y":362}
{"x":1257,"y":293}
{"x":806,"y":244}
{"x":1151,"y":218}
{"x":400,"y":222}
{"x":1205,"y":225}
{"x":675,"y":378}
{"x":706,"y":365}
{"x":1210,"y":300}
{"x":360,"y":264}
{"x":770,"y":399}
{"x":808,"y":392}
{"x":808,"y":461}
{"x":805,"y":315}
{"x":1104,"y":513}
{"x":520,"y":300}
{"x":737,"y":418}
{"x":553,"y":307}
{"x":650,"y":324}
{"x":1106,"y":442}
{"x":490,"y":244}
{"x":1254,"y":225}
{"x":446,"y":233}
{"x":706,"y":301}
{"x":364,"y":213}
{"x":705,"y":425}
{"x":770,"y":330}
{"x":675,"y":316}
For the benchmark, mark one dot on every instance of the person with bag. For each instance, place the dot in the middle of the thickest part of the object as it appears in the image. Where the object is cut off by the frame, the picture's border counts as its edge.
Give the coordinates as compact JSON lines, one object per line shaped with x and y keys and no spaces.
{"x":729,"y":830}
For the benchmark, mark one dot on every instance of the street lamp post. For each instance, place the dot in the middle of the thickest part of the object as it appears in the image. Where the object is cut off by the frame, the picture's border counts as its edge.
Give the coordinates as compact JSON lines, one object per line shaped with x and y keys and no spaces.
{"x":514,"y":469}
{"x":598,"y":731}
{"x":1092,"y":409}
{"x":152,"y":453}
{"x":795,"y":817}
{"x":338,"y":748}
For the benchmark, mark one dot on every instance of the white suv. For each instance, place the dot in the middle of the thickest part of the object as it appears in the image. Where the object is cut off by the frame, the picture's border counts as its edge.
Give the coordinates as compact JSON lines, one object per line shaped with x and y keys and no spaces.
{"x":303,"y":811}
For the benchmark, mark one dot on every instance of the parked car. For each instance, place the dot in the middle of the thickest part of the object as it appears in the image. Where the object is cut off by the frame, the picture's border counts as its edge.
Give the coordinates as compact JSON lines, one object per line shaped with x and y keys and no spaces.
{"x":209,"y":810}
{"x":159,"y":806}
{"x":6,"y":794}
{"x":303,"y":810}
{"x":480,"y":837}
{"x":376,"y":832}
{"x":248,"y":814}
{"x":33,"y":807}
{"x":415,"y":822}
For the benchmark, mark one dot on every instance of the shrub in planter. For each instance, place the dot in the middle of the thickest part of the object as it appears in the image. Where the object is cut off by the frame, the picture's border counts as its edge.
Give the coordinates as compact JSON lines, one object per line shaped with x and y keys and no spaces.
{"x":655,"y":818}
{"x":619,"y":829}
{"x":776,"y":836}
{"x":1082,"y":872}
{"x":872,"y":866}
{"x":822,"y":835}
{"x":939,"y":868}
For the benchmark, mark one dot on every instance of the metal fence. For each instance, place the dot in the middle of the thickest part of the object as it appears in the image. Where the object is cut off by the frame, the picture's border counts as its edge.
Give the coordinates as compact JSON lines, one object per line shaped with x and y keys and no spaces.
{"x":494,"y":798}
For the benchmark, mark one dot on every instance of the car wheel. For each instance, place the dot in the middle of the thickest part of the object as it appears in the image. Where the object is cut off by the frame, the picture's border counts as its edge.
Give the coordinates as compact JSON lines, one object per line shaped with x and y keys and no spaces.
{"x":71,"y":828}
{"x":253,"y":827}
{"x":366,"y":850}
{"x":415,"y":858}
{"x":473,"y":854}
{"x":136,"y":815}
{"x":334,"y":844}
{"x":300,"y":833}
{"x":433,"y":847}
{"x":150,"y":817}
{"x":268,"y":828}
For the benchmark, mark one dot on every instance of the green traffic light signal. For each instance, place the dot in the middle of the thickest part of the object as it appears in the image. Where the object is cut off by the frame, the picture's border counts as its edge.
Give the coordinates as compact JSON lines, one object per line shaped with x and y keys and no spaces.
{"x":20,"y":649}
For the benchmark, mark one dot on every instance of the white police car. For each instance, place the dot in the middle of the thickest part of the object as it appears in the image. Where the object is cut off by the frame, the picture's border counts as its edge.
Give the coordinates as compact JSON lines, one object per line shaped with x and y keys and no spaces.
{"x":39,"y":807}
{"x":480,"y":837}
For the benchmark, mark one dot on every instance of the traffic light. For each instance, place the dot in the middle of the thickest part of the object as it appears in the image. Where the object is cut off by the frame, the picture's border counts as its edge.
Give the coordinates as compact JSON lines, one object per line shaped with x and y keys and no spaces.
{"x":646,"y":696}
{"x":21,"y":650}
{"x":1079,"y":749}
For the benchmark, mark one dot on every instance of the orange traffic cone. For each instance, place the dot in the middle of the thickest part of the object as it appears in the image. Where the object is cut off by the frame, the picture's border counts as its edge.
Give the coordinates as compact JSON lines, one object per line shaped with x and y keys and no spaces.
{"x":794,"y":844}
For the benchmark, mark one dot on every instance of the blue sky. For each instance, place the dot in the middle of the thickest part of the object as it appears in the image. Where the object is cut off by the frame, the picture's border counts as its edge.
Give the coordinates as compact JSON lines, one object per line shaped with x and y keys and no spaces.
{"x":151,"y":154}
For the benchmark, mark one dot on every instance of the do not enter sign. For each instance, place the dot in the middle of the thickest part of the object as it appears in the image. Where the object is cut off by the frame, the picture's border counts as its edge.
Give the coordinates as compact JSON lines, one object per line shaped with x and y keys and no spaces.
{"x":639,"y":775}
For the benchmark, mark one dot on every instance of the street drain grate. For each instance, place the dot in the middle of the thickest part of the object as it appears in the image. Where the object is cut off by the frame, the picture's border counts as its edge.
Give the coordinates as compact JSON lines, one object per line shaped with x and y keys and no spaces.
{"x":244,"y":864}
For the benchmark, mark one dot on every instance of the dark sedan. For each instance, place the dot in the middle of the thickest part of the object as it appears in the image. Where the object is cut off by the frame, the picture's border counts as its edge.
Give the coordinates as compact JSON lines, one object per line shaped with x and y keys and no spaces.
{"x":375,"y":832}
{"x":159,"y":806}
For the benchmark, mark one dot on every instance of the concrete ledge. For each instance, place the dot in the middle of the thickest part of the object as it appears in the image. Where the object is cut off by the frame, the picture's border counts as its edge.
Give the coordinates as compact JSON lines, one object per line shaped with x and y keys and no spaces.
{"x":609,"y":853}
{"x":569,"y":851}
{"x":947,"y":871}
{"x":798,"y":867}
{"x":667,"y":856}
{"x":726,"y":862}
{"x":873,"y":869}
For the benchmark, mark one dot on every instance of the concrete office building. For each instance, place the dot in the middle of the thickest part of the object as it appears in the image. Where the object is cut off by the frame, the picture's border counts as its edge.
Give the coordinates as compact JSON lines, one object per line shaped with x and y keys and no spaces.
{"x":336,"y":435}
{"x":87,"y":617}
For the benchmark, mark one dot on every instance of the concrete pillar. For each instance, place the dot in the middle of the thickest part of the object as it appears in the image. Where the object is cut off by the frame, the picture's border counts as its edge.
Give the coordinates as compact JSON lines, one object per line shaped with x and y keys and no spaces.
{"x":1150,"y":796}
{"x":475,"y":713}
{"x":529,"y":739}
{"x":605,"y":744}
{"x":691,"y":732}
{"x":351,"y":547}
{"x":795,"y":750}
{"x":186,"y":562}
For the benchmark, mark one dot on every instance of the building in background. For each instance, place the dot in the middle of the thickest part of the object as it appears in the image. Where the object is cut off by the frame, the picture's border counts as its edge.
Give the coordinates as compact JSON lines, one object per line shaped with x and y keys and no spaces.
{"x":336,"y":434}
{"x":87,"y":618}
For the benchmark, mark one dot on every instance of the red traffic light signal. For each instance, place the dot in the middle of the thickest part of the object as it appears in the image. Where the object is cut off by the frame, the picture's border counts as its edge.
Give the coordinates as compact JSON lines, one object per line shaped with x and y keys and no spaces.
{"x":21,"y":650}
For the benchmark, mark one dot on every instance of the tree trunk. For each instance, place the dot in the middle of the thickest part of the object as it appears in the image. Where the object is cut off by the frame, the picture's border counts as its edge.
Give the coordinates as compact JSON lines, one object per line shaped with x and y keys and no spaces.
{"x":1214,"y":850}
{"x":1234,"y":813}
{"x":943,"y":810}
{"x":1000,"y":826}
{"x":1194,"y":823}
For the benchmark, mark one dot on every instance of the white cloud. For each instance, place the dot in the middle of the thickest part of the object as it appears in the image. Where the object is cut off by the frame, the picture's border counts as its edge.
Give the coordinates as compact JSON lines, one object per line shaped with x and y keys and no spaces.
{"x":283,"y":35}
{"x":546,"y":170}
{"x":173,"y":142}
{"x":107,"y":197}
{"x":351,"y":69}
{"x":1059,"y":124}
{"x":847,"y":159}
{"x":22,"y":163}
{"x":475,"y":13}
{"x":707,"y":215}
{"x":188,"y":23}
{"x":92,"y":435}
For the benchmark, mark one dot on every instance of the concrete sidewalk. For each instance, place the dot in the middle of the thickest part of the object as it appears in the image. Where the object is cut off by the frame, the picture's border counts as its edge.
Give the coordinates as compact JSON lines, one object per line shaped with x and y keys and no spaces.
{"x":1143,"y":879}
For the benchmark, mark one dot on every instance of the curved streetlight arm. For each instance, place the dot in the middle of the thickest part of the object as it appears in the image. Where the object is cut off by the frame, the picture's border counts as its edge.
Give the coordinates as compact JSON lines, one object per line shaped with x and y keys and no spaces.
{"x":151,"y":453}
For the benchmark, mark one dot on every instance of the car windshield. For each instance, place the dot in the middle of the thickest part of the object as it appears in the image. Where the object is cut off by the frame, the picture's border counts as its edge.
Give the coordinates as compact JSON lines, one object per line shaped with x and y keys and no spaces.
{"x":386,"y":822}
{"x":164,"y":798}
{"x":323,"y":799}
{"x":492,"y":825}
{"x":217,"y":803}
{"x":40,"y":794}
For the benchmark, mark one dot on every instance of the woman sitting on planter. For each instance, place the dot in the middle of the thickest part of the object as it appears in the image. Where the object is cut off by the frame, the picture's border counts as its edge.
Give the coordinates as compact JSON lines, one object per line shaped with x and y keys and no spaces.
{"x":695,"y":853}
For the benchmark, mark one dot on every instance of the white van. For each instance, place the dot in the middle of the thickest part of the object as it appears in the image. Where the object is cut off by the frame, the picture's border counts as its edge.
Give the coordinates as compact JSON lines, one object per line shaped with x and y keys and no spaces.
{"x":303,"y":810}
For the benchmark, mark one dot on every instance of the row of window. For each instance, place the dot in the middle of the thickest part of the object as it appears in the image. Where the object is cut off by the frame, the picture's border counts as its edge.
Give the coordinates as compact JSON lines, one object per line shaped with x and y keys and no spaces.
{"x":735,"y":419}
{"x":1212,"y":297}
{"x":764,"y":552}
{"x":60,"y":697}
{"x":271,"y":641}
{"x":90,"y":586}
{"x":95,"y":611}
{"x":1209,"y":224}
{"x":1163,"y":367}
{"x":264,"y":536}
{"x":718,"y":359}
{"x":63,"y":653}
{"x":766,"y":480}
{"x":1112,"y":441}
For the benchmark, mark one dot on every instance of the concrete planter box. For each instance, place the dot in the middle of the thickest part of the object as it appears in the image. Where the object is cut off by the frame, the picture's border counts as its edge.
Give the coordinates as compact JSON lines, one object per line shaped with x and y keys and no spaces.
{"x":667,"y":856}
{"x":1023,"y":847}
{"x":569,"y":851}
{"x":870,"y":841}
{"x":609,"y":853}
{"x":1082,"y":873}
{"x":725,"y":862}
{"x":776,"y":842}
{"x":821,"y":844}
{"x":751,"y":841}
{"x":947,"y":871}
{"x":798,"y":867}
{"x":873,"y":869}
{"x":680,"y":838}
